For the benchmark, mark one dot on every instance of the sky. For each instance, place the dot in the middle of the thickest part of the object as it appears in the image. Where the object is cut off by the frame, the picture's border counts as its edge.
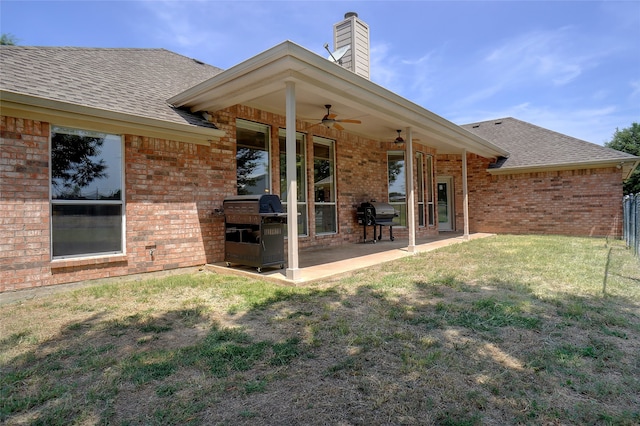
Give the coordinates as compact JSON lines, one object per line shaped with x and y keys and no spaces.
{"x":569,"y":66}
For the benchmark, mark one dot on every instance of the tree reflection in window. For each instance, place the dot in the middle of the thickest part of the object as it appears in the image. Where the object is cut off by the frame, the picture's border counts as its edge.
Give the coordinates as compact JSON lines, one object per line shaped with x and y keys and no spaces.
{"x":87,"y":200}
{"x":252,"y":158}
{"x":75,"y":164}
{"x":79,"y":164}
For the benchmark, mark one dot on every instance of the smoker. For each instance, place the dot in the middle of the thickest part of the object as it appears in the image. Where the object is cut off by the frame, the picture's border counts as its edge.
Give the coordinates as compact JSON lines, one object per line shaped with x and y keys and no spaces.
{"x":254,"y":230}
{"x":376,"y":214}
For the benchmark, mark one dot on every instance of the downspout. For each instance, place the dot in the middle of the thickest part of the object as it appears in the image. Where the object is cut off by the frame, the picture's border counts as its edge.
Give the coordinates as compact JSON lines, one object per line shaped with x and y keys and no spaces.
{"x":465,"y":194}
{"x":292,"y":272}
{"x":411,"y":215}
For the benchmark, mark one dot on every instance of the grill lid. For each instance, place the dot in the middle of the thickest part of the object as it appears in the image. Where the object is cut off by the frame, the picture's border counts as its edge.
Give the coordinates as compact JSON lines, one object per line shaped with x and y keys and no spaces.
{"x":381,"y":211}
{"x":265,"y":204}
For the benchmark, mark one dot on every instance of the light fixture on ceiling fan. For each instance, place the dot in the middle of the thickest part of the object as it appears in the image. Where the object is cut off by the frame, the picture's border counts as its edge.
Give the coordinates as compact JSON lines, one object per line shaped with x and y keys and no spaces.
{"x":330,"y":120}
{"x":399,"y":138}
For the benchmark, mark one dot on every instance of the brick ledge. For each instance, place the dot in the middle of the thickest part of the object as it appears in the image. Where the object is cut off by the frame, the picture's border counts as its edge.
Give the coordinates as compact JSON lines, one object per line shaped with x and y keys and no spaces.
{"x":87,"y":261}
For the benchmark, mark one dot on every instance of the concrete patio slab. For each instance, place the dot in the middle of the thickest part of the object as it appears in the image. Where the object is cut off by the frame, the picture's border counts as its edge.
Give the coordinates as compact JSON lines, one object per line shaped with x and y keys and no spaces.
{"x":323,"y":263}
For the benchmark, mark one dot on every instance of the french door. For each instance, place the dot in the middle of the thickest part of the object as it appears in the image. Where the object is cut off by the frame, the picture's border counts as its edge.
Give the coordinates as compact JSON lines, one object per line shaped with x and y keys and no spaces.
{"x":446,"y":215}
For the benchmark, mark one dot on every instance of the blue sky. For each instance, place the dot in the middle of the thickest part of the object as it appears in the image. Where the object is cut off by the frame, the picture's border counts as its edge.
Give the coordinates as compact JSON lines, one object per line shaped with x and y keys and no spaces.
{"x":570,"y":66}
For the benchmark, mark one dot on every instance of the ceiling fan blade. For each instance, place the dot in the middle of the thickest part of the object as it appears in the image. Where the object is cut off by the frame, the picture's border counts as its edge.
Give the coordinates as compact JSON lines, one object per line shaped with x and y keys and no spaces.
{"x":337,"y":126}
{"x":350,"y":121}
{"x":331,"y":116}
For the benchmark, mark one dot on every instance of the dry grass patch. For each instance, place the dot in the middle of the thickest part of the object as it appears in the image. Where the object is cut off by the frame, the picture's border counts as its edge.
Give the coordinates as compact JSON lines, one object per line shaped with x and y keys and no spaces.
{"x":505,"y":330}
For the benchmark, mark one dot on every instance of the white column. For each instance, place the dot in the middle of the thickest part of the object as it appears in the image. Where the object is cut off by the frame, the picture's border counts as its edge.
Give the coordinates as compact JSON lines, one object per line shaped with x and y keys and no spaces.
{"x":292,"y":273}
{"x":411,"y":215}
{"x":465,"y":194}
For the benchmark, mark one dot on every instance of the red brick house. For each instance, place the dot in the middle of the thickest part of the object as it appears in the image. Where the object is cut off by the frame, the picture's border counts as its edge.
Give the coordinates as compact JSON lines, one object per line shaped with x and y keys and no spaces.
{"x":117,"y":161}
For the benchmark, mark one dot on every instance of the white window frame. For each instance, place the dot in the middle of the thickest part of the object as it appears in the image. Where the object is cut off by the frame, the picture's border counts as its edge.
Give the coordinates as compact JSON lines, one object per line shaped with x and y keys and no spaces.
{"x":332,"y":144}
{"x":420,"y":190}
{"x":401,"y":220}
{"x":302,"y":186}
{"x":263,"y":128}
{"x":97,"y":202}
{"x":430,"y":195}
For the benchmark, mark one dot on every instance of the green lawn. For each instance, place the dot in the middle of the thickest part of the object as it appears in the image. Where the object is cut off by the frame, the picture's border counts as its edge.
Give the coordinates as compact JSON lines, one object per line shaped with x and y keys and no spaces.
{"x":501,"y":330}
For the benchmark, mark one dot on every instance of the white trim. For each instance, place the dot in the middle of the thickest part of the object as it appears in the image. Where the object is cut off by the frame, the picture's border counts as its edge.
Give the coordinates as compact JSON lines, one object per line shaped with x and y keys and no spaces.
{"x":72,"y":115}
{"x":465,"y":195}
{"x":265,"y":73}
{"x":451,"y":223}
{"x":122,"y":202}
{"x":411,"y":214}
{"x":245,"y":124}
{"x":627,"y":166}
{"x":331,"y":143}
{"x":293,"y":271}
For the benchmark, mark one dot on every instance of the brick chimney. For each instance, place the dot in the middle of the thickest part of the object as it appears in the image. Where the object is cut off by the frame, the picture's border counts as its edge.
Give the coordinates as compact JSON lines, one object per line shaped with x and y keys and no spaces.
{"x":354,"y":32}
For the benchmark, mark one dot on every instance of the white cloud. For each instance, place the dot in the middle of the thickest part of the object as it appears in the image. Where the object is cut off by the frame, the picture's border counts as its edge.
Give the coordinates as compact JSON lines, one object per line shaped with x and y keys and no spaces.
{"x":543,"y":56}
{"x":383,"y":70}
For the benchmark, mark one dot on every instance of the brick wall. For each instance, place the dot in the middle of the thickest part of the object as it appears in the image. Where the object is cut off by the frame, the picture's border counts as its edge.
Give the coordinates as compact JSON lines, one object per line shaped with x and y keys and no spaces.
{"x":171,"y":188}
{"x":361,"y":169}
{"x":24,"y":206}
{"x":583,"y":202}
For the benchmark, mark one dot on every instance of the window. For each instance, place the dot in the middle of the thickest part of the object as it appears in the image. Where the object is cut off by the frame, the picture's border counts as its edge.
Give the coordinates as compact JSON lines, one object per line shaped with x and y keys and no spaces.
{"x":420,"y":189}
{"x":397,"y":185}
{"x":252,"y":158}
{"x":431,"y":218}
{"x":87,"y":200}
{"x":300,"y":177}
{"x":324,"y":185}
{"x":425,"y":189}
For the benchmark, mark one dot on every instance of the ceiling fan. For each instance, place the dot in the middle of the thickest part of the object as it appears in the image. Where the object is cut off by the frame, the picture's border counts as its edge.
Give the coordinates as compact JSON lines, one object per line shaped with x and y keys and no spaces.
{"x":330,"y":120}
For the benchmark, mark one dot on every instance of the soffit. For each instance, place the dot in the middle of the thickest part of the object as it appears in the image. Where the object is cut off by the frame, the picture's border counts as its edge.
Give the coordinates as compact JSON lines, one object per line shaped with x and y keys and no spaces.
{"x":260,"y":82}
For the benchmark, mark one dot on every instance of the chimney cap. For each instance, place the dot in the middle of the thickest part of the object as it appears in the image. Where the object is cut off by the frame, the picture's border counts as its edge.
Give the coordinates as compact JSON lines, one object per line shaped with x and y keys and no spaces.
{"x":350,"y":14}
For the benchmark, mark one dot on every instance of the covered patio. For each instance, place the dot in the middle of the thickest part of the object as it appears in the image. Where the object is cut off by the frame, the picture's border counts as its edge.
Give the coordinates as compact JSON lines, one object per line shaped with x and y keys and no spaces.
{"x":295,"y":83}
{"x":327,"y":263}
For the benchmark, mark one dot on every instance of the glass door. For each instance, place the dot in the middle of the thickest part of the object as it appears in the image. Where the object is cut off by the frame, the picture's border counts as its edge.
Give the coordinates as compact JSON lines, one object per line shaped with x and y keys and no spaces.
{"x":445,"y":203}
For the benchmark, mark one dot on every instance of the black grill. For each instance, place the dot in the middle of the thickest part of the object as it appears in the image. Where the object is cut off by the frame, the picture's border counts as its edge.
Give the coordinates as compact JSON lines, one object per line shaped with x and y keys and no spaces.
{"x":254,"y":230}
{"x":376,"y":214}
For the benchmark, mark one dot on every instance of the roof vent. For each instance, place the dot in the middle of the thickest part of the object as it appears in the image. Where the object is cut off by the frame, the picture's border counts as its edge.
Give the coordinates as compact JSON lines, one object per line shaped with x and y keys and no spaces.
{"x":475,"y":126}
{"x":497,"y":122}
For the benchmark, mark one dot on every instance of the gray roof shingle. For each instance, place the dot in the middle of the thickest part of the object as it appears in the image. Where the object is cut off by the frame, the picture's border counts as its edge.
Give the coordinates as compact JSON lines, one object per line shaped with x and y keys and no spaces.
{"x":130,"y":81}
{"x":533,"y":146}
{"x":139,"y":82}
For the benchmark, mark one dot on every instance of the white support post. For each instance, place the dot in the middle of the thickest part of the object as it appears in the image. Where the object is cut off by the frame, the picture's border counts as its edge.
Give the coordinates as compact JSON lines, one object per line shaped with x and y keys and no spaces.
{"x":292,"y":272}
{"x":465,"y":192}
{"x":411,"y":215}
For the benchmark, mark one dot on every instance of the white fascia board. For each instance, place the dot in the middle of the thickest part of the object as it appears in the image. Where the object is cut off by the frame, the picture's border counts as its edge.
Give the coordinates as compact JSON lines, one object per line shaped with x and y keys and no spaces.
{"x":266,"y":73}
{"x":235,"y":73}
{"x":626,"y":164}
{"x":267,"y":80}
{"x":42,"y":109}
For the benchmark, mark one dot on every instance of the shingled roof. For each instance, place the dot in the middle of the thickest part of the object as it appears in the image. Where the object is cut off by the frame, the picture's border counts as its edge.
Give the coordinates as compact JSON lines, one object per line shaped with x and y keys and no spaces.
{"x":130,"y":81}
{"x":139,"y":82}
{"x":532,"y":146}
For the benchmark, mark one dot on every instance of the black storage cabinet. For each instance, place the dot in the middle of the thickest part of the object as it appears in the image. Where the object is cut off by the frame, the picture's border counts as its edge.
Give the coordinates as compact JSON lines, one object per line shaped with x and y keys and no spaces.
{"x":254,"y":231}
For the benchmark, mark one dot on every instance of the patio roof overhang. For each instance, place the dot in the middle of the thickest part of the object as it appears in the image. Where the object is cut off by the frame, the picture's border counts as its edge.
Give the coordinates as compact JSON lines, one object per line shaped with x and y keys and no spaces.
{"x":260,"y":82}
